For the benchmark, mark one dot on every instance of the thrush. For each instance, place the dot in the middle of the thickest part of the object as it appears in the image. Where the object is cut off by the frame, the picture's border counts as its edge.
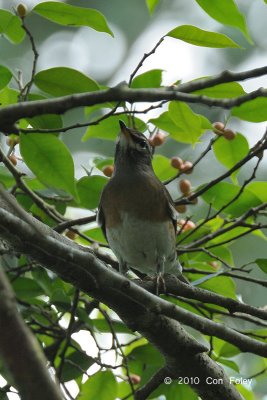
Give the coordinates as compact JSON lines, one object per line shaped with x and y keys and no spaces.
{"x":136,"y":212}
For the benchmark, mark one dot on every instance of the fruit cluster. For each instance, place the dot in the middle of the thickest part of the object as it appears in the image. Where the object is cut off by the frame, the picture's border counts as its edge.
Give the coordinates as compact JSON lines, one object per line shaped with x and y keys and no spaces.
{"x":220,"y":130}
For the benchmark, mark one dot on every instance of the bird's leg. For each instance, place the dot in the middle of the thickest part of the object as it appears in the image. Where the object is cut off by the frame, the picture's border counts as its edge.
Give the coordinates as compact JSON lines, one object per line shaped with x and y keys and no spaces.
{"x":123,"y":267}
{"x":160,"y":272}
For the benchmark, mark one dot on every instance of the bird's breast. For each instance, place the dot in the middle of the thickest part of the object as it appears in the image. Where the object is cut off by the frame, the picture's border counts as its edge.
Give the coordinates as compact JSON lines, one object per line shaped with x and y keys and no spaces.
{"x":142,"y":199}
{"x":140,"y":242}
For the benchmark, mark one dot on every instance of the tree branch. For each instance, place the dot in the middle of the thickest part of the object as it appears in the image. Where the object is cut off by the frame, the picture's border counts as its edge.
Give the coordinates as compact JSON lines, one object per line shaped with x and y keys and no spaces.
{"x":139,"y":309}
{"x":21,"y":352}
{"x":12,"y":113}
{"x":154,"y":382}
{"x":224,"y":77}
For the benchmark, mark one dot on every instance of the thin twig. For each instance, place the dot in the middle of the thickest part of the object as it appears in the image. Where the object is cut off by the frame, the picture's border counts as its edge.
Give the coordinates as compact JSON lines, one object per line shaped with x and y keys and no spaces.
{"x":145,"y":56}
{"x":26,"y":90}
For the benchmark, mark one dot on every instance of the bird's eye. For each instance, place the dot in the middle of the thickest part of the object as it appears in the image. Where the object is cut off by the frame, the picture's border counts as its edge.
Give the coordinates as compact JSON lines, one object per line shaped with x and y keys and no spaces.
{"x":142,"y":144}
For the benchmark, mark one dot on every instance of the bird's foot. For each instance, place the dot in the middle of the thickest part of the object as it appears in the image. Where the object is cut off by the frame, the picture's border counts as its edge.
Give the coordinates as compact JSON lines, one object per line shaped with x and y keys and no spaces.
{"x":160,"y":284}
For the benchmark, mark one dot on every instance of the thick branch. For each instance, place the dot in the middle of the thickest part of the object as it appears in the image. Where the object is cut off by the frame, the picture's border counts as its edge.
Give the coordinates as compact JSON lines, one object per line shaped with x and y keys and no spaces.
{"x":139,"y":309}
{"x":21,"y":352}
{"x":10,"y":114}
{"x":179,"y":288}
{"x":102,"y":279}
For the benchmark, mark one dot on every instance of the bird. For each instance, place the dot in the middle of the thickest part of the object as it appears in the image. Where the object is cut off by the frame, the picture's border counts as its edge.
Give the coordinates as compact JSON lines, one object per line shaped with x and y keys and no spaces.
{"x":136,"y":212}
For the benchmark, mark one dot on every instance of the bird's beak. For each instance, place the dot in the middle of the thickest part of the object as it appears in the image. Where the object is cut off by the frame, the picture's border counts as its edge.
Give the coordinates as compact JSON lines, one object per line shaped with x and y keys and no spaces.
{"x":125,"y":131}
{"x":125,"y":138}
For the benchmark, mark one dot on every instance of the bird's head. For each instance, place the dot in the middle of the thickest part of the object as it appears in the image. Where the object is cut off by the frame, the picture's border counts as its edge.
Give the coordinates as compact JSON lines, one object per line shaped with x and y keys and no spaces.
{"x":132,"y":149}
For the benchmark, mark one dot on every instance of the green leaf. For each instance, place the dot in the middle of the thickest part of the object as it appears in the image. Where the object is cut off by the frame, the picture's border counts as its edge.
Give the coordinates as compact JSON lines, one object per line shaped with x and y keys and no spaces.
{"x":176,"y":391}
{"x":245,"y":392}
{"x":149,"y":79}
{"x":229,"y":152}
{"x":252,"y":111}
{"x":89,"y":189}
{"x":60,"y":299}
{"x":145,"y":361}
{"x":46,"y":121}
{"x":262,"y":264}
{"x":193,"y":35}
{"x":10,"y":26}
{"x":26,"y":288}
{"x":223,"y":252}
{"x":50,"y":160}
{"x":100,"y":386}
{"x":6,"y":178}
{"x":222,"y":91}
{"x":223,"y":192}
{"x":65,"y":14}
{"x":101,"y":325}
{"x":5,"y":76}
{"x":205,"y":123}
{"x":41,"y":276}
{"x":8,"y":96}
{"x":180,"y":122}
{"x":259,"y":189}
{"x":227,"y":13}
{"x":228,"y":363}
{"x":109,"y":128}
{"x":100,"y":162}
{"x":228,"y":350}
{"x":144,"y":355}
{"x":220,"y":284}
{"x":151,"y":5}
{"x":189,"y":124}
{"x":75,"y":363}
{"x":62,"y":81}
{"x":162,"y":167}
{"x":3,"y":395}
{"x":95,"y":108}
{"x":95,"y":234}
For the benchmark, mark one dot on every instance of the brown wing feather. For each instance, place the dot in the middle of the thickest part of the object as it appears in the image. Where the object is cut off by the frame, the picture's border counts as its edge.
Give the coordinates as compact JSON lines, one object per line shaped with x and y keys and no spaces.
{"x":100,"y":219}
{"x":171,"y":209}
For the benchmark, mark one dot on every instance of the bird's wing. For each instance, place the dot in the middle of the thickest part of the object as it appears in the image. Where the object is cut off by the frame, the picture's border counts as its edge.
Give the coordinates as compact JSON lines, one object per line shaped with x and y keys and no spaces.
{"x":171,"y":209}
{"x":100,"y":219}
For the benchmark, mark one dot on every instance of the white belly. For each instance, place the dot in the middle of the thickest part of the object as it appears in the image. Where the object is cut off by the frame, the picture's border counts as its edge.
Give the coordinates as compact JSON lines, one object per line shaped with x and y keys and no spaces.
{"x":141,"y":244}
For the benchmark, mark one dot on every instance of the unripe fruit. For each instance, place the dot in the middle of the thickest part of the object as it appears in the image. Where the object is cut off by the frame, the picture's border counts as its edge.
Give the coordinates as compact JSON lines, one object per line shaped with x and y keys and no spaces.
{"x":12,"y":141}
{"x":158,"y":139}
{"x":181,"y":222}
{"x":229,"y":134}
{"x":214,"y":264}
{"x":176,"y":162}
{"x":13,"y":159}
{"x":181,"y":208}
{"x":189,"y":225}
{"x":186,"y":225}
{"x":108,"y":170}
{"x":185,"y":186}
{"x":135,"y":379}
{"x":187,"y":167}
{"x":22,"y":10}
{"x":218,"y":128}
{"x":71,"y":235}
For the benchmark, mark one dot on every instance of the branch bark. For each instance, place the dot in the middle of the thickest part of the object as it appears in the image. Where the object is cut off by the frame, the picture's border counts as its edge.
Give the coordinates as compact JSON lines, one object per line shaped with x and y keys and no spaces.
{"x":139,"y":309}
{"x":12,"y":113}
{"x":21,"y":352}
